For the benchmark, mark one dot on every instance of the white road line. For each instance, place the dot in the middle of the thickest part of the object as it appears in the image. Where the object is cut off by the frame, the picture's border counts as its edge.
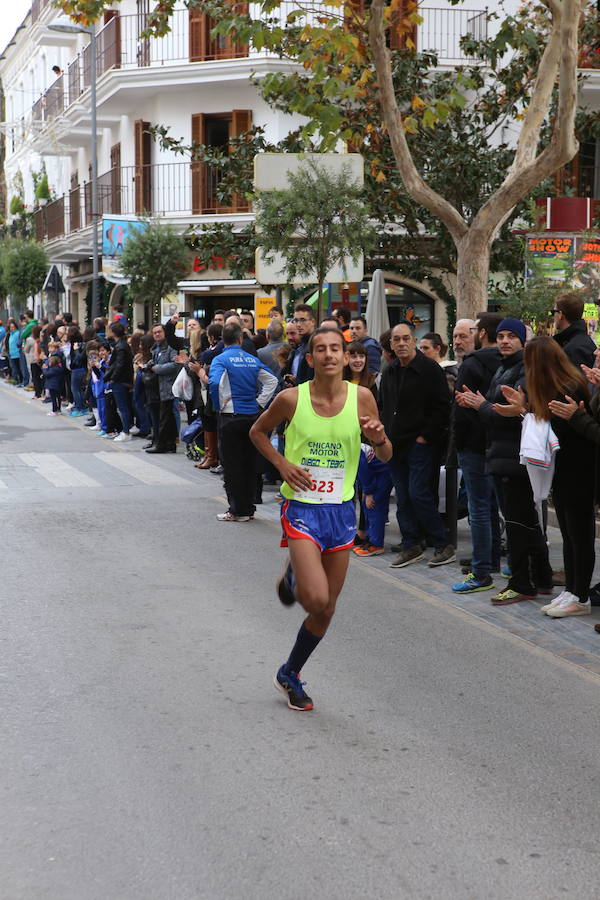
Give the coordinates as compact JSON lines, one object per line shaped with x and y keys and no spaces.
{"x":57,"y":471}
{"x":139,"y":468}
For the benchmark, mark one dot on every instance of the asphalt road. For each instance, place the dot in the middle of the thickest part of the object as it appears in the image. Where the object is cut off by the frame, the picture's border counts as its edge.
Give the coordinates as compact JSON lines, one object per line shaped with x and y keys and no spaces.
{"x":145,"y":753}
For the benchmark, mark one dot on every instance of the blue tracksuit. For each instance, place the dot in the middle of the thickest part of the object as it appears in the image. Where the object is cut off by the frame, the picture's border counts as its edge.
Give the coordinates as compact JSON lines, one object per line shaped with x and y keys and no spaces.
{"x":240,"y":383}
{"x":374,"y":478}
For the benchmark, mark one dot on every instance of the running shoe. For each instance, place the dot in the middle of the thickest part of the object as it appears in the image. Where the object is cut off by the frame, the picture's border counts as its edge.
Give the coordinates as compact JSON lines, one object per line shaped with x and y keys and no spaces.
{"x":368,"y":550}
{"x":471,"y":584}
{"x":286,"y":584}
{"x":570,"y":606}
{"x":289,"y":683}
{"x":504,"y":598}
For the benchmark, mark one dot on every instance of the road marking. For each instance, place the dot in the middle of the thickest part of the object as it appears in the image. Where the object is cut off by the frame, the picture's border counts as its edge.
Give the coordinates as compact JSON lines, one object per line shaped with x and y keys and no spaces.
{"x":56,"y":470}
{"x":140,"y":469}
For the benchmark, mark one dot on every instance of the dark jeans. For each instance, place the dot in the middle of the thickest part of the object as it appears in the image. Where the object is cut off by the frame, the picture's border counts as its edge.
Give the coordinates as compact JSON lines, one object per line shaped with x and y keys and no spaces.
{"x":526,"y":543}
{"x":167,"y":427}
{"x":122,"y":396}
{"x":575,"y":516}
{"x":483,"y":513}
{"x":154,"y":413}
{"x":416,"y":506}
{"x":238,"y":458}
{"x":24,"y":369}
{"x":55,"y":397}
{"x":139,"y":405}
{"x":15,"y":370}
{"x":36,"y":377}
{"x":77,"y":376}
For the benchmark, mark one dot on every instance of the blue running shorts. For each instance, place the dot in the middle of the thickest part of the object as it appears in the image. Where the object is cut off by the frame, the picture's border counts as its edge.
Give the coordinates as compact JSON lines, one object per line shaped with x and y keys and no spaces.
{"x":331,"y":526}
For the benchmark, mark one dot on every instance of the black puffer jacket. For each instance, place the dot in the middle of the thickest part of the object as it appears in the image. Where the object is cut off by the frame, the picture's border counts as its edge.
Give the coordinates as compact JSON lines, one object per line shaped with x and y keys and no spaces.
{"x":120,"y":368}
{"x":476,"y":373}
{"x":577,"y":344}
{"x":503,"y":434}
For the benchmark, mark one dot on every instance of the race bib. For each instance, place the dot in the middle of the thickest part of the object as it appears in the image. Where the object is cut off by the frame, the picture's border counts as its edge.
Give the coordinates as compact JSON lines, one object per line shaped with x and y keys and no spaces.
{"x":326,"y":485}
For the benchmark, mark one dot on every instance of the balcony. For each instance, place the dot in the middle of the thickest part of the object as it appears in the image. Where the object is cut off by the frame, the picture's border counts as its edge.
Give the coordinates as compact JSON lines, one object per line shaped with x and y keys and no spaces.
{"x":442,"y":30}
{"x":176,"y":190}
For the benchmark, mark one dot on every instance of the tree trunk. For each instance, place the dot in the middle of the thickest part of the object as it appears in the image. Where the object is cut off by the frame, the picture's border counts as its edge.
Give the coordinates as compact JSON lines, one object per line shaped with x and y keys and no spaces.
{"x":472,"y":273}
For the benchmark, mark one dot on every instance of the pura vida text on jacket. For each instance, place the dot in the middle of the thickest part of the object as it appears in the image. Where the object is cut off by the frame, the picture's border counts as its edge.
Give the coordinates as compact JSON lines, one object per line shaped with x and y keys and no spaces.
{"x":415,"y":402}
{"x":239,"y":383}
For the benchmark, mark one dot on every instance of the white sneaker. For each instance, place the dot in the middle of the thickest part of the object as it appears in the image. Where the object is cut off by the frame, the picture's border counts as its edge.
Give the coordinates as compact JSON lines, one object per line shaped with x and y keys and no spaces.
{"x":122,"y":437}
{"x":570,"y":606}
{"x":556,"y":601}
{"x":70,"y":406}
{"x":96,"y":427}
{"x":134,"y":430}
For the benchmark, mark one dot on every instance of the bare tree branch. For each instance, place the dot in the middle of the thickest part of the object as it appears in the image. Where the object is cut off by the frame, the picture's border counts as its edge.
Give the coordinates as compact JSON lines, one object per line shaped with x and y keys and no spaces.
{"x":414,"y":183}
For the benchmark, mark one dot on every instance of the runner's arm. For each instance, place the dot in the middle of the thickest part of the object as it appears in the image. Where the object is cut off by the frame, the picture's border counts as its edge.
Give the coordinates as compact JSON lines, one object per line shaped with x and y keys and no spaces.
{"x":281,"y":409}
{"x":371,"y":425}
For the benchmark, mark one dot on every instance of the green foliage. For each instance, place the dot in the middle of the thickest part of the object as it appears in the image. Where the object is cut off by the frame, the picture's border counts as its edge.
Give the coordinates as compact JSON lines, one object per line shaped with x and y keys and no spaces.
{"x":42,"y":191}
{"x":17,"y":207}
{"x":220,"y":245}
{"x":24,"y":269}
{"x":317,"y":222}
{"x":155,"y":258}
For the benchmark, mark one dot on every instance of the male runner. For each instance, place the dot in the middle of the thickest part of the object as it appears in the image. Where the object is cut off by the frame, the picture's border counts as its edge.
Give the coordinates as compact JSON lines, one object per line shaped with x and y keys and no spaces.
{"x":325,"y":419}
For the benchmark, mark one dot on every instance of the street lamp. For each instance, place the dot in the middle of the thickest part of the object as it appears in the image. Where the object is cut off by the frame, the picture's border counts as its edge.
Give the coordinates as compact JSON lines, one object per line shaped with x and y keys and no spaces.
{"x":71,"y":28}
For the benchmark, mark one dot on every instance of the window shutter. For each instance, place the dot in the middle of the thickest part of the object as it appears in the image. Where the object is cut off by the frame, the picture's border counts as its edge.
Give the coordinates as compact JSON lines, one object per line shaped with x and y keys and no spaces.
{"x":143,"y":184}
{"x":398,"y":38}
{"x":241,"y":121}
{"x":115,"y":179}
{"x":198,"y":169}
{"x":197,"y":25}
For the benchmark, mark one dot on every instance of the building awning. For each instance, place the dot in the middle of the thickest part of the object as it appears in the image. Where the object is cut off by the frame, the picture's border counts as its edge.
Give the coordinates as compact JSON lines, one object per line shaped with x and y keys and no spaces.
{"x":198,"y":285}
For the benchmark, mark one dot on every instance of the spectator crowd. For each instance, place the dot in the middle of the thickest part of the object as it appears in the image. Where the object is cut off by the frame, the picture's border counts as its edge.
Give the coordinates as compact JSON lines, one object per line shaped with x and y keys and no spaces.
{"x":518,"y":415}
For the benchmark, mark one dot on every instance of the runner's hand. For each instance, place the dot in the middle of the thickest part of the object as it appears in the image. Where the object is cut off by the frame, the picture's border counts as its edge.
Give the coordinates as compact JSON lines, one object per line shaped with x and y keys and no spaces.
{"x":372,"y":429}
{"x":565,"y":410}
{"x":297,"y":477}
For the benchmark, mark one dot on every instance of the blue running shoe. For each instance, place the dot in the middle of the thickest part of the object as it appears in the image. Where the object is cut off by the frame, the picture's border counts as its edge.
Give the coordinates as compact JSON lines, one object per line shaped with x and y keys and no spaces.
{"x":289,"y":683}
{"x":506,"y":571}
{"x":286,"y":585}
{"x":471,"y":584}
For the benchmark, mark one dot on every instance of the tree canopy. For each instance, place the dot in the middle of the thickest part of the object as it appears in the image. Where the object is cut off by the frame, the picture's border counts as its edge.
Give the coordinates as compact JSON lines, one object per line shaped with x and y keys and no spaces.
{"x":24,"y":269}
{"x":154,"y":258}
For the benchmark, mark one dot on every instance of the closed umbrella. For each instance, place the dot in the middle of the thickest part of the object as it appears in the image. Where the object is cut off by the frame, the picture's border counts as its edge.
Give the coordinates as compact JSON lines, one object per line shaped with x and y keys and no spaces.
{"x":377,"y":317}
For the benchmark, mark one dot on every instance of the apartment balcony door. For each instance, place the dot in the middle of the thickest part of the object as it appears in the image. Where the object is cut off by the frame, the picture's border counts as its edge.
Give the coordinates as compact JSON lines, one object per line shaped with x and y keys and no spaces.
{"x":115,"y":179}
{"x":204,"y":46}
{"x":215,"y":131}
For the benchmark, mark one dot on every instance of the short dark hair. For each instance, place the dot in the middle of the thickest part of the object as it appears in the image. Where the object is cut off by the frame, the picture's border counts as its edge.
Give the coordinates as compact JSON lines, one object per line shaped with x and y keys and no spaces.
{"x":117,"y":308}
{"x":435,"y":340}
{"x":488,"y":322}
{"x":330,"y":319}
{"x":278,"y":309}
{"x":67,"y":318}
{"x":570,"y":305}
{"x":232,"y":334}
{"x":29,"y":313}
{"x":319,"y":331}
{"x":215,"y":330}
{"x":118,"y":329}
{"x":344,"y":313}
{"x":248,"y":312}
{"x":360,"y":319}
{"x":304,"y":307}
{"x":218,"y":312}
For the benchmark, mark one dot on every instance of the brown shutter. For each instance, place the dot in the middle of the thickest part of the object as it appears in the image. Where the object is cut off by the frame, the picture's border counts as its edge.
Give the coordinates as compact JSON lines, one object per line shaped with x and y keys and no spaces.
{"x":398,"y":34}
{"x":241,"y":121}
{"x":197,"y":35}
{"x":143,"y":184}
{"x":198,"y":137}
{"x":239,"y":49}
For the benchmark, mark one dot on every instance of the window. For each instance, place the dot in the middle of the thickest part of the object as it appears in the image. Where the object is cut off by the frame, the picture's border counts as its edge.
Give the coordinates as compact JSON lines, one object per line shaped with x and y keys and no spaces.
{"x":215,"y":130}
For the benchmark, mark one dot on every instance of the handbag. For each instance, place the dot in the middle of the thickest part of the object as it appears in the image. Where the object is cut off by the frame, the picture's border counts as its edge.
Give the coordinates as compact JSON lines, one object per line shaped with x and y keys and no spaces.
{"x":182,"y":386}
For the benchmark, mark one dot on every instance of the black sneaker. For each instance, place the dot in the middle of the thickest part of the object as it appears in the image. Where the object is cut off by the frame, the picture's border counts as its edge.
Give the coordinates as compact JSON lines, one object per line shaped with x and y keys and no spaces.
{"x":285,"y":586}
{"x":90,"y":422}
{"x":398,"y":548}
{"x":406,"y":557}
{"x":443,"y":555}
{"x":289,"y":683}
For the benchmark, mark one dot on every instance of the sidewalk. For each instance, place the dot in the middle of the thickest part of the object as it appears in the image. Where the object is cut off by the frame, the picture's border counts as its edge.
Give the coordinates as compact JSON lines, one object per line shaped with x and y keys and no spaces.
{"x":573,"y":639}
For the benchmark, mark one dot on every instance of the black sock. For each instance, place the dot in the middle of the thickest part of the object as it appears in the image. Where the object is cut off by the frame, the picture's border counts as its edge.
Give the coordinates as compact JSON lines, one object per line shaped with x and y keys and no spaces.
{"x":304,"y":646}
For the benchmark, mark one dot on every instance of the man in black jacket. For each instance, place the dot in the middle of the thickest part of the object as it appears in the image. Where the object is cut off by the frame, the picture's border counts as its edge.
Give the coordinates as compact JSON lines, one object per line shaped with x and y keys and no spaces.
{"x":476,"y":373}
{"x":571,"y":330}
{"x":120,"y":376}
{"x":297,"y":369}
{"x":415,"y":410}
{"x":531,"y":572}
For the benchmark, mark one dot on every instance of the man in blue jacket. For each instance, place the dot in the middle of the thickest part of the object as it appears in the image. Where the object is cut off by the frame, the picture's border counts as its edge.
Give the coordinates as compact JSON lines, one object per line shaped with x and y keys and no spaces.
{"x":240,"y":387}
